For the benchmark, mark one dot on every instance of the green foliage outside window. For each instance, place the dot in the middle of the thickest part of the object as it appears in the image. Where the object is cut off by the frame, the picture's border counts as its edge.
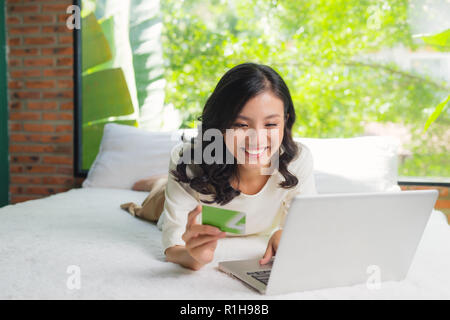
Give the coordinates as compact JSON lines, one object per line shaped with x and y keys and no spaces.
{"x":322,"y":49}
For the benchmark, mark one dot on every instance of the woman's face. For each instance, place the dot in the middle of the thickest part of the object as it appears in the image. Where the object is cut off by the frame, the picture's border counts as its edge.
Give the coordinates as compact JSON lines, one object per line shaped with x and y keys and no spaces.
{"x":257,"y":132}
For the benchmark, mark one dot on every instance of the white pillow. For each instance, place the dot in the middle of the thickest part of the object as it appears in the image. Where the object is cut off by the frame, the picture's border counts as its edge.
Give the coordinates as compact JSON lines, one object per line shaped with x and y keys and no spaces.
{"x":361,"y":164}
{"x":128,"y":154}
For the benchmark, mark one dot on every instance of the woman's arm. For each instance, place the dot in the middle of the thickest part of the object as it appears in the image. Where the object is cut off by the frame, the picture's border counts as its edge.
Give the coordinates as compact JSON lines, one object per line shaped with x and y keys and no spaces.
{"x":180,"y":255}
{"x":201,"y":242}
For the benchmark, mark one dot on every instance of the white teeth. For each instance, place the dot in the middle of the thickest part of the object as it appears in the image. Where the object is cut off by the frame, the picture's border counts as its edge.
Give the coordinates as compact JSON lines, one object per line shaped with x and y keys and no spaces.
{"x":256,"y":152}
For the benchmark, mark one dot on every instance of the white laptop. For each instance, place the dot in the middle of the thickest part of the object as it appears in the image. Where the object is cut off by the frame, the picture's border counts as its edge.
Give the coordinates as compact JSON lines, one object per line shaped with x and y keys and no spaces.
{"x":334,"y":240}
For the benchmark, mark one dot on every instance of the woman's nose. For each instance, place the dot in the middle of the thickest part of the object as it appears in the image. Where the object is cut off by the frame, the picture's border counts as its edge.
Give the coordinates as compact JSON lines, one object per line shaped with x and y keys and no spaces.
{"x":258,"y":136}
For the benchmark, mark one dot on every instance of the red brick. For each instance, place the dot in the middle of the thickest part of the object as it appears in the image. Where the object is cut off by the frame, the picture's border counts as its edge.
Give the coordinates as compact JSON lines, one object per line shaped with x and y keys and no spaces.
{"x":64,"y":62}
{"x":22,"y":198}
{"x":37,"y":62}
{"x":40,"y":190}
{"x":25,"y":73}
{"x":63,"y":149}
{"x":57,"y":116}
{"x":39,"y":40}
{"x":24,"y":52}
{"x":15,"y":189}
{"x":57,"y":51}
{"x":23,"y":8}
{"x":15,"y":84}
{"x":24,"y":30}
{"x":63,"y":17}
{"x":26,"y":95}
{"x":24,"y":116}
{"x":25,"y":159}
{"x":67,"y":106}
{"x":56,"y":29}
{"x":42,"y":105}
{"x":64,"y":128}
{"x":17,"y":199}
{"x":16,"y":169}
{"x":32,"y":148}
{"x":12,"y":42}
{"x":39,"y":169}
{"x":58,"y":180}
{"x":38,"y":127}
{"x":56,"y":139}
{"x":38,"y":19}
{"x":25,"y":180}
{"x":65,"y":84}
{"x":65,"y":170}
{"x":43,"y":138}
{"x":19,"y":137}
{"x":41,"y":84}
{"x":15,"y":126}
{"x":14,"y":62}
{"x":58,"y":160}
{"x":58,"y":72}
{"x":12,"y":20}
{"x":65,"y":39}
{"x":15,"y":105}
{"x":55,"y":7}
{"x":58,"y":94}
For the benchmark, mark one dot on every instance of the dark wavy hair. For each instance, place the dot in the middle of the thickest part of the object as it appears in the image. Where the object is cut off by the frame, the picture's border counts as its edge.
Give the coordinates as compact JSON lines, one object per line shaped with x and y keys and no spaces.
{"x":235,"y":88}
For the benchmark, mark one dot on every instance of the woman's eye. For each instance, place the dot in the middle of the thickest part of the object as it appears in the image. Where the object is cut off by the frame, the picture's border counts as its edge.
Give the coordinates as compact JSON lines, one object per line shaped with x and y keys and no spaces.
{"x":240,"y":125}
{"x":271,"y":124}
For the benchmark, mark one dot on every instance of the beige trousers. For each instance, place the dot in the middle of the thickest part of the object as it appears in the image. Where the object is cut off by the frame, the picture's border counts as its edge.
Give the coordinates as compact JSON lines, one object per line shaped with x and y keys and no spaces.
{"x":153,"y":205}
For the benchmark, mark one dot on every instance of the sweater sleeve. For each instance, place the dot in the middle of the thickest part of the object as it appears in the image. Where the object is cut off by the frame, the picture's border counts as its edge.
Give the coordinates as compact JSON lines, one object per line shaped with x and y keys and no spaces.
{"x":179,"y":201}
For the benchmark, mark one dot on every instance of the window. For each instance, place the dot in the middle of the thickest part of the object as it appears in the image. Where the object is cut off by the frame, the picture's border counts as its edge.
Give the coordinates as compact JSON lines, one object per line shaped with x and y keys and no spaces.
{"x":353,"y":68}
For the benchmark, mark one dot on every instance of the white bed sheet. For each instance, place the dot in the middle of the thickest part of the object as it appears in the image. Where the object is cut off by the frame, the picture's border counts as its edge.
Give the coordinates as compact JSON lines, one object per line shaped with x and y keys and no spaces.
{"x":120,"y":256}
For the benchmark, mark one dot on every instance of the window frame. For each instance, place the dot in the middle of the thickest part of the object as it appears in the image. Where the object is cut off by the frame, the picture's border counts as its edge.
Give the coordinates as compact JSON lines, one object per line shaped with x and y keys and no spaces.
{"x":4,"y":140}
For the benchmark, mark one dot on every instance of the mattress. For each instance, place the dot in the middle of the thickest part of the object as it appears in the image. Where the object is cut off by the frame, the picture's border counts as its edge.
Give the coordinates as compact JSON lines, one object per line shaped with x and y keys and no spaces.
{"x":84,"y":234}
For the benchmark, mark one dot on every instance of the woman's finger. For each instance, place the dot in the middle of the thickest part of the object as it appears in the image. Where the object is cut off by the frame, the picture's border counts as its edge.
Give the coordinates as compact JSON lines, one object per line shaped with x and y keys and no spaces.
{"x":201,"y":240}
{"x":199,"y":229}
{"x":267,"y":255}
{"x":193,"y":215}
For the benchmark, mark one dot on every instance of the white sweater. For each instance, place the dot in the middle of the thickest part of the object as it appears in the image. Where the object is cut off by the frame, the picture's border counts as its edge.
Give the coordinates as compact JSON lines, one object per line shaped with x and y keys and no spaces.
{"x":265,"y":211}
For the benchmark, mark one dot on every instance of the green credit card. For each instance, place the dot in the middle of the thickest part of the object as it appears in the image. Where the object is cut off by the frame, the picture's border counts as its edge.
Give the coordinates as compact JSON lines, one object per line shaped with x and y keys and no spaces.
{"x":226,"y":220}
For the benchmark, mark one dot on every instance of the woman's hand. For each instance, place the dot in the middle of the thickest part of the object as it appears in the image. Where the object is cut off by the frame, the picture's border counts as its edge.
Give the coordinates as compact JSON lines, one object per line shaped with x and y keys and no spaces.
{"x":272,"y":247}
{"x":201,"y":240}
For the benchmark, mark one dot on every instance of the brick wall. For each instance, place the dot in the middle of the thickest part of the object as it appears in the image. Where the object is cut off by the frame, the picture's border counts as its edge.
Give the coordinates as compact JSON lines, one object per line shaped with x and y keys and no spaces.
{"x":40,"y":82}
{"x":40,"y":95}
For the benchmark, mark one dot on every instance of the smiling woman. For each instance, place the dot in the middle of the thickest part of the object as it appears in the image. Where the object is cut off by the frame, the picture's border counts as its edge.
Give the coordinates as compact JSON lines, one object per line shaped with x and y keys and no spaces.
{"x":4,"y":168}
{"x":251,"y":101}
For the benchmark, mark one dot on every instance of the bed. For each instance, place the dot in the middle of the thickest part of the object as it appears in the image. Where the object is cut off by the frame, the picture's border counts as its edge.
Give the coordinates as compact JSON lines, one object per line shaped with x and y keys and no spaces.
{"x":81,"y":245}
{"x":120,"y":256}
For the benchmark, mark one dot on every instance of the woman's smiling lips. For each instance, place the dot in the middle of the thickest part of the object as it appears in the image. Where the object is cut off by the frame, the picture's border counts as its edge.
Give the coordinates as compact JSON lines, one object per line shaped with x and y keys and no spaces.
{"x":255,"y":153}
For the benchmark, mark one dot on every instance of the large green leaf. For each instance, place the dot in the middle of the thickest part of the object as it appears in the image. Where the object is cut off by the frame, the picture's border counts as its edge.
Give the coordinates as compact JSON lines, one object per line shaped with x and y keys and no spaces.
{"x":145,"y":40}
{"x":105,"y":94}
{"x":105,"y":99}
{"x":440,"y":41}
{"x":107,"y":26}
{"x":95,"y":47}
{"x":437,"y":111}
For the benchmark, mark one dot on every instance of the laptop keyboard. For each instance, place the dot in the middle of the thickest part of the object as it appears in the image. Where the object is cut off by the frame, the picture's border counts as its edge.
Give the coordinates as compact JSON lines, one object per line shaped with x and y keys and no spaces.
{"x":262,"y":276}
